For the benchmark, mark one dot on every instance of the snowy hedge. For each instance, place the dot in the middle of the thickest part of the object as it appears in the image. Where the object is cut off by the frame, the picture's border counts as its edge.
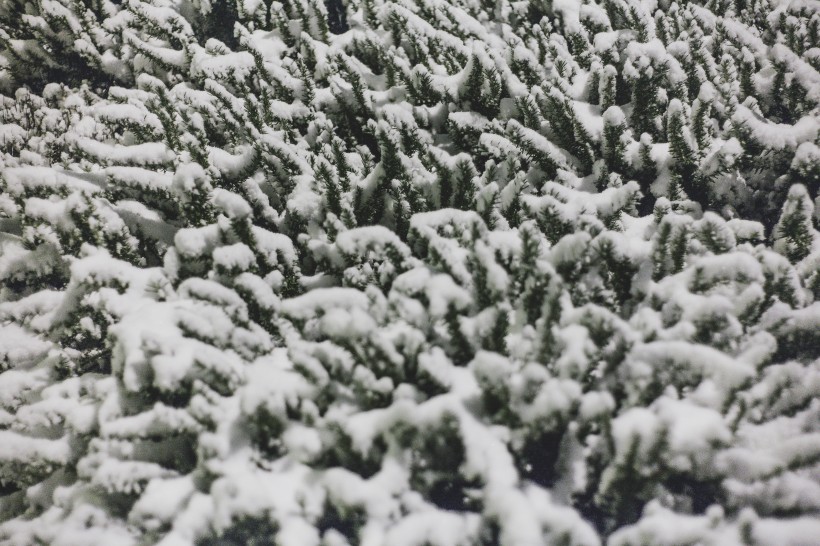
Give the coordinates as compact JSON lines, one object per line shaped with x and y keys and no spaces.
{"x":409,"y":273}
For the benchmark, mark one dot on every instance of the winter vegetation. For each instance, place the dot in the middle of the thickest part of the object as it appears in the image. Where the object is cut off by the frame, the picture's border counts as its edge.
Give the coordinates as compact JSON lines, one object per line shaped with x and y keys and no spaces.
{"x":409,"y":272}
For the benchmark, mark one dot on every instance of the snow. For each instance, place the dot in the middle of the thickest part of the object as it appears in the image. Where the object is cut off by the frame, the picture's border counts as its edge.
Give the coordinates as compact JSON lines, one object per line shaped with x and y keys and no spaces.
{"x":434,"y":528}
{"x":18,"y":449}
{"x":802,"y":71}
{"x":723,"y":369}
{"x":595,"y":405}
{"x":791,"y":532}
{"x":638,"y":427}
{"x":234,"y":257}
{"x":160,"y":501}
{"x":615,"y":117}
{"x":778,"y":136}
{"x":693,"y":430}
{"x":129,"y":114}
{"x":22,"y":180}
{"x":261,"y":292}
{"x":663,"y":526}
{"x":137,"y":177}
{"x":147,"y":154}
{"x":497,"y":144}
{"x":356,"y":242}
{"x":127,"y":476}
{"x":746,"y":230}
{"x":347,"y":324}
{"x":590,"y":118}
{"x":570,"y":248}
{"x":19,"y":348}
{"x":158,"y":421}
{"x":233,"y":65}
{"x":540,"y":143}
{"x":196,"y":241}
{"x":323,"y":299}
{"x":200,"y":333}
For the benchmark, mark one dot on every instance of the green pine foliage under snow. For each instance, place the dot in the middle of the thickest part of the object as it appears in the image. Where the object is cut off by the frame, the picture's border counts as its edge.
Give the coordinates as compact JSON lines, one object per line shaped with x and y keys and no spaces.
{"x":409,"y":273}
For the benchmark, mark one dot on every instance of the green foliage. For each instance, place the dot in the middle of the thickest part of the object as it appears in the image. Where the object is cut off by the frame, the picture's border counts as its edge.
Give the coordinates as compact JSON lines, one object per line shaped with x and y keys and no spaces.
{"x":794,"y":234}
{"x":276,"y":272}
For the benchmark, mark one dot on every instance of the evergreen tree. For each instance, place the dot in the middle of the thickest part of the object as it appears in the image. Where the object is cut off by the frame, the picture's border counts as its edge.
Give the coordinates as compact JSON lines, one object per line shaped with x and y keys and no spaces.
{"x":794,"y":234}
{"x":422,"y":272}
